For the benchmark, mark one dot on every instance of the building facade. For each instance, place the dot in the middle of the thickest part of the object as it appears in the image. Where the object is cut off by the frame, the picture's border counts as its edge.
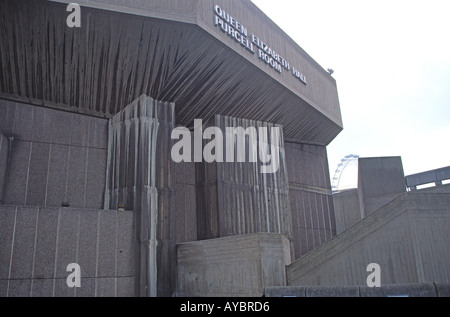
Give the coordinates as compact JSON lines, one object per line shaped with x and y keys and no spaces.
{"x":87,"y":116}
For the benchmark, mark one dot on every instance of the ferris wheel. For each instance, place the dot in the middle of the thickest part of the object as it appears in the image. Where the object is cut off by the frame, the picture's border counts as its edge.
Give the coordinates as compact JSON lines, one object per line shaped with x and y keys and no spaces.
{"x":348,"y":160}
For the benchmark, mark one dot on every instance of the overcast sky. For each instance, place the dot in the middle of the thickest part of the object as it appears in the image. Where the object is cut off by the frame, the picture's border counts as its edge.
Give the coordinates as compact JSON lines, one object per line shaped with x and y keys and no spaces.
{"x":392,"y":67}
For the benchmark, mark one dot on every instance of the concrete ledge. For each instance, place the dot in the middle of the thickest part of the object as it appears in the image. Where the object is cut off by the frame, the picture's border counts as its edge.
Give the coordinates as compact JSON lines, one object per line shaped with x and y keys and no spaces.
{"x":400,"y":290}
{"x":395,"y":290}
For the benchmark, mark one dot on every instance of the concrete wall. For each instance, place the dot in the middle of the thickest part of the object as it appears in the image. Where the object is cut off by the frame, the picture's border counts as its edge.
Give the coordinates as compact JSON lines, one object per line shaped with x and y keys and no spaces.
{"x":37,"y":244}
{"x":56,"y":157}
{"x":313,"y":220}
{"x":408,"y":238}
{"x":234,"y":266}
{"x":380,"y":180}
{"x":346,"y":209}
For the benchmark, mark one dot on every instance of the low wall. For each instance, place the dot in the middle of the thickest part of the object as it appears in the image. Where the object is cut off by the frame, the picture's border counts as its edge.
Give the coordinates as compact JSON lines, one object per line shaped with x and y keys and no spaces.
{"x":37,"y":245}
{"x":234,"y":266}
{"x":400,"y":290}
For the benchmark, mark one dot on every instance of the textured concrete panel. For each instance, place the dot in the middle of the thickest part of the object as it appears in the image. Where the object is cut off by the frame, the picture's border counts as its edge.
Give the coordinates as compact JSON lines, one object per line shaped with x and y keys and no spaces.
{"x":76,"y":182}
{"x":3,"y":288}
{"x":4,"y":150}
{"x":7,"y":111}
{"x":379,"y":181}
{"x":87,"y":288}
{"x":400,"y":290}
{"x":87,"y":243}
{"x":19,"y":288}
{"x":107,"y":245}
{"x":42,"y":124}
{"x":57,"y":175}
{"x":23,"y":122}
{"x":45,"y":253}
{"x":106,"y":287}
{"x":125,"y":287}
{"x":24,"y":243}
{"x":42,"y":288}
{"x":96,"y":178}
{"x":443,"y":290}
{"x":292,"y":291}
{"x":80,"y":130}
{"x":7,"y":225}
{"x":98,"y":133}
{"x":233,"y":266}
{"x":37,"y":176}
{"x":126,"y":245}
{"x":61,"y":289}
{"x":66,"y":252}
{"x":18,"y":174}
{"x":344,"y":291}
{"x":61,"y":121}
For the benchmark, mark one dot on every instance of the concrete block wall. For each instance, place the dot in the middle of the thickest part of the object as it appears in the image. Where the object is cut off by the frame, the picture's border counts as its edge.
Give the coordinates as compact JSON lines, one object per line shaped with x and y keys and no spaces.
{"x":234,"y":266}
{"x":37,"y":244}
{"x":313,"y":219}
{"x":408,"y":238}
{"x":56,"y":157}
{"x":346,"y":209}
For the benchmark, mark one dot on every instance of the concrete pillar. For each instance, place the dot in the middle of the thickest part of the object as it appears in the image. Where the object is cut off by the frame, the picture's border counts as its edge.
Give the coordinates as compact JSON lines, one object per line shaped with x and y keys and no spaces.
{"x":140,"y":177}
{"x":236,"y":198}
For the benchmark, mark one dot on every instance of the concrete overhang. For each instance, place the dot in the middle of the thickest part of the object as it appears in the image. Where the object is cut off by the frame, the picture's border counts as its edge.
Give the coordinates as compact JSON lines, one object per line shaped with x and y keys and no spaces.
{"x":170,"y":50}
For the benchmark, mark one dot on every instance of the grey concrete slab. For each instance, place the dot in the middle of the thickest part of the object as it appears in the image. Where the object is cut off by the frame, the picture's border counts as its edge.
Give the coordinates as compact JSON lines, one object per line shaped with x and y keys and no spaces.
{"x":42,"y":124}
{"x":61,"y":121}
{"x":107,"y":244}
{"x":19,"y":288}
{"x":45,"y":253}
{"x":285,"y":291}
{"x":337,"y":291}
{"x":106,"y":287}
{"x":57,"y":175}
{"x":7,"y":222}
{"x":126,"y":287}
{"x":38,"y":174}
{"x":180,"y":225}
{"x":80,"y":130}
{"x":87,"y":288}
{"x":191,"y":213}
{"x":98,"y":133}
{"x":18,"y":173}
{"x":23,"y":122}
{"x":126,"y":244}
{"x":76,"y":182}
{"x":42,"y":288}
{"x":180,"y":173}
{"x":7,"y":113}
{"x":87,"y":243}
{"x":96,"y":178}
{"x":443,"y":290}
{"x":24,"y":243}
{"x":4,"y":150}
{"x":67,"y":241}
{"x":3,"y":288}
{"x":400,"y":290}
{"x":62,"y":290}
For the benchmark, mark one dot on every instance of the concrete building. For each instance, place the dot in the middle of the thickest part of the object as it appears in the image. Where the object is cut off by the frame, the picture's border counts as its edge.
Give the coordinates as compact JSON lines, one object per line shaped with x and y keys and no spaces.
{"x":87,"y":174}
{"x":86,"y":115}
